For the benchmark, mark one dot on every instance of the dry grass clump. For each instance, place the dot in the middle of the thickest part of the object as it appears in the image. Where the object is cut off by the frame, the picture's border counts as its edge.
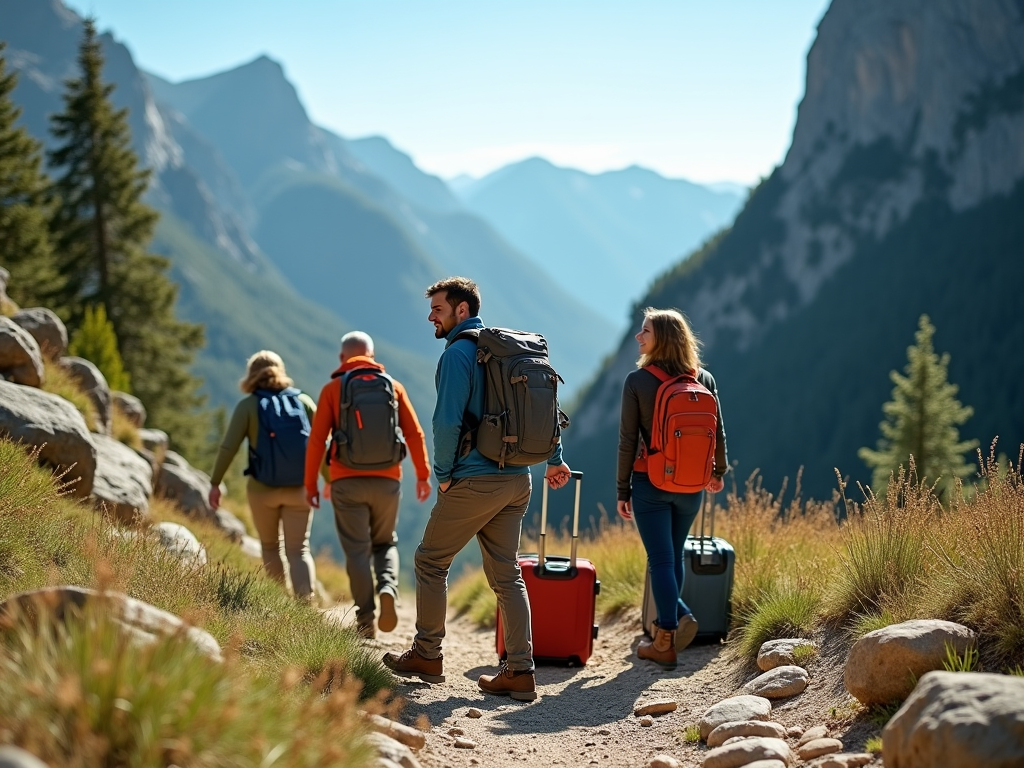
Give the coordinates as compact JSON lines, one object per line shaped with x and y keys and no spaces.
{"x":49,"y":540}
{"x":471,"y":596}
{"x":74,"y":696}
{"x":58,"y":381}
{"x":123,"y":430}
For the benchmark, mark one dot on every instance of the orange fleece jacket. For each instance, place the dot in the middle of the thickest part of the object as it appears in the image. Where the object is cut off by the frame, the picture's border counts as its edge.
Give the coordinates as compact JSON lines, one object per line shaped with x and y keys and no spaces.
{"x":326,"y":420}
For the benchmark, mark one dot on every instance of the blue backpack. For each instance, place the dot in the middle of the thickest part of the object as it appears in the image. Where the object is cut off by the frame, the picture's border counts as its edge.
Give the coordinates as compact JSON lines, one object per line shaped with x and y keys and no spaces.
{"x":279,"y":459}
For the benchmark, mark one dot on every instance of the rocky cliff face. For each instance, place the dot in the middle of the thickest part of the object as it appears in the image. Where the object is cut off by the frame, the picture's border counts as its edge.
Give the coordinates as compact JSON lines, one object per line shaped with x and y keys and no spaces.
{"x":912,"y":125}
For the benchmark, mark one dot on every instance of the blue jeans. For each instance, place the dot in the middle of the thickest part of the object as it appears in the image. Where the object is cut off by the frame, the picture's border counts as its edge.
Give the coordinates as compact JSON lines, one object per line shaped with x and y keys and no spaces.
{"x":663,"y":520}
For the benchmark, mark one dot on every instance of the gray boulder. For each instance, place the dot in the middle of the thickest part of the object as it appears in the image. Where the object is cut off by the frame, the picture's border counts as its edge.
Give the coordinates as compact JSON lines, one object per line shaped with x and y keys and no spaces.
{"x":958,"y":720}
{"x":93,"y":383}
{"x":123,"y":481}
{"x":54,"y":426}
{"x":20,"y":358}
{"x":745,"y":729}
{"x":884,"y":664}
{"x":143,"y":622}
{"x":15,"y":757}
{"x":180,"y":541}
{"x":46,"y":328}
{"x":189,"y":488}
{"x":130,"y":407}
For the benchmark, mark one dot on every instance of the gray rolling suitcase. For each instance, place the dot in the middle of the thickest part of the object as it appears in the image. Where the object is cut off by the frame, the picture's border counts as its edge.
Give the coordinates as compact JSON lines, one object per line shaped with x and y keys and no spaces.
{"x":710,"y":564}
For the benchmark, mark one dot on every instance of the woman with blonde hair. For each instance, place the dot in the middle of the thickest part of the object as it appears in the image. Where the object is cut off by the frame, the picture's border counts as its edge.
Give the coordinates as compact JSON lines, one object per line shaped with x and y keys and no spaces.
{"x":275,"y":418}
{"x":669,"y":355}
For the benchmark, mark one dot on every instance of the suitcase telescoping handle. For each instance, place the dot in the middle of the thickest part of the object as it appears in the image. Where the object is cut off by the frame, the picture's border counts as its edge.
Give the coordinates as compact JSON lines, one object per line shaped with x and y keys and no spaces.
{"x":578,"y":477}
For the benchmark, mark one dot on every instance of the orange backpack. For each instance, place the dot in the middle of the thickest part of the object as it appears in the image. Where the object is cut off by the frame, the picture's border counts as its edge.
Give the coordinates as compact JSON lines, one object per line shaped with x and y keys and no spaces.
{"x":682,"y":451}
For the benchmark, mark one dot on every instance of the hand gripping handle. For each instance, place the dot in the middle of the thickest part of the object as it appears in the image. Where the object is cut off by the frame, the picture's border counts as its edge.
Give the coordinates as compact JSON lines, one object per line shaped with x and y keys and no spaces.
{"x":578,"y":477}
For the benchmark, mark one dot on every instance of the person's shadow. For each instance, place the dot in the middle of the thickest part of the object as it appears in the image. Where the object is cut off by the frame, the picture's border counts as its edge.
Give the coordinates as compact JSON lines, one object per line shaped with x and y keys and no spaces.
{"x":589,"y":700}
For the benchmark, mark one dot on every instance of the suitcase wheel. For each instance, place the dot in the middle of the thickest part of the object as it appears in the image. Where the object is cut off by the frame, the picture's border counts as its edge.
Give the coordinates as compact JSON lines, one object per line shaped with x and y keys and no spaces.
{"x":597,"y":587}
{"x":594,"y":634}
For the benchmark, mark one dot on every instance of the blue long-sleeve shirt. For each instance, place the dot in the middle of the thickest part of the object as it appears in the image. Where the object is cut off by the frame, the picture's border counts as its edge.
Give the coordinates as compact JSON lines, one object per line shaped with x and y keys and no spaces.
{"x":460,"y":390}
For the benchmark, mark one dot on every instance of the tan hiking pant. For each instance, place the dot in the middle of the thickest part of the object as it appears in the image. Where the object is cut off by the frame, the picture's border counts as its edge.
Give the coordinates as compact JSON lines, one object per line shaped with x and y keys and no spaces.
{"x":366,"y":513}
{"x":272,"y":510}
{"x":491,"y":508}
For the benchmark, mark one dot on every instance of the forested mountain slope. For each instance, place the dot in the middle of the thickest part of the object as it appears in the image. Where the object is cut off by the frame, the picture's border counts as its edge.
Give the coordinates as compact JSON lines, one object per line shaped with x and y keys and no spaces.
{"x":901,"y":194}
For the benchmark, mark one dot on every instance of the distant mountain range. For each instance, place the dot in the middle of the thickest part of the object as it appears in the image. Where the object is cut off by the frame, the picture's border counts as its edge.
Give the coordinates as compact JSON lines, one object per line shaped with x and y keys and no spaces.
{"x":607,"y":235}
{"x":902,"y":193}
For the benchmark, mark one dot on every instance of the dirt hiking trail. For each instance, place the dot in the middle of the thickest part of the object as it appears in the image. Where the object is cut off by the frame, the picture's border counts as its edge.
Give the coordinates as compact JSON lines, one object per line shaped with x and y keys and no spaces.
{"x":584,"y":715}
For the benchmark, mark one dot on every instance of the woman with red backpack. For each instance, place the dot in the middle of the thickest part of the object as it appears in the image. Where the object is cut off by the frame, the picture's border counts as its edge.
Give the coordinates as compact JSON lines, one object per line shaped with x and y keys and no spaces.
{"x":275,"y":418}
{"x":671,"y":448}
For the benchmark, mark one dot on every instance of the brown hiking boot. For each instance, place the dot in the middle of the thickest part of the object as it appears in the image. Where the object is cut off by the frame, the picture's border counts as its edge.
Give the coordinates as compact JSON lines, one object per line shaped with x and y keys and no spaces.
{"x":388,"y":616}
{"x":521,"y":686}
{"x":661,"y":650}
{"x":411,"y":664}
{"x":686,"y":631}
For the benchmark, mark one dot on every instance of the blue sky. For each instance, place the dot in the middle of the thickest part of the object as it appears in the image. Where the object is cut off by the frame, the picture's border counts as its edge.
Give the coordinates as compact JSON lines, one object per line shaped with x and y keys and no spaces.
{"x":700,"y":90}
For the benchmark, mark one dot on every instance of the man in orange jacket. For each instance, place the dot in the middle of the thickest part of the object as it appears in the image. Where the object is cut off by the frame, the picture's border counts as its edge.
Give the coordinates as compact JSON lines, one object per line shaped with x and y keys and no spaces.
{"x":366,"y":500}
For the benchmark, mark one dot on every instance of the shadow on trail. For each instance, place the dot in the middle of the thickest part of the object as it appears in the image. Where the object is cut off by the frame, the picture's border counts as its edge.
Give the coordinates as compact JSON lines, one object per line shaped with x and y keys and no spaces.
{"x":572,"y":696}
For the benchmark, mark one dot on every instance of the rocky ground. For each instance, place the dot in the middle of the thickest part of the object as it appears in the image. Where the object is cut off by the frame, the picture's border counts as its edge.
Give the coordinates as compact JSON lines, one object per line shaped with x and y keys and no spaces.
{"x":585,"y":716}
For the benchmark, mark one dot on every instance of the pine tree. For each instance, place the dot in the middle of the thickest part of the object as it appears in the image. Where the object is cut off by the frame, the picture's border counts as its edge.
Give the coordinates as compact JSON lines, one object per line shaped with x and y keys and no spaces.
{"x":102,"y":228}
{"x":922,"y":420}
{"x":25,"y":248}
{"x":96,"y":341}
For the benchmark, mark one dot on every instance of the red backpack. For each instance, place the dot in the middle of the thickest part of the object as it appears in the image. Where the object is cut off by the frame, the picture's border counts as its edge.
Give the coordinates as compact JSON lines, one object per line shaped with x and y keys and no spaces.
{"x":682,"y":451}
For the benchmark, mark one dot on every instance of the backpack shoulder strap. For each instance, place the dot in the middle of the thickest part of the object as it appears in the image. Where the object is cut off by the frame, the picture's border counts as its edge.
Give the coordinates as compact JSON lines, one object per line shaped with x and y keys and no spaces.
{"x":473,"y":334}
{"x":662,"y":376}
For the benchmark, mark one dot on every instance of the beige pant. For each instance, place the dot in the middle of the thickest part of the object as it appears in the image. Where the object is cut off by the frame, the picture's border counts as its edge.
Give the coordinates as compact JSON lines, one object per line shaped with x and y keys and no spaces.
{"x":274,"y":509}
{"x":366,"y":513}
{"x":491,"y":508}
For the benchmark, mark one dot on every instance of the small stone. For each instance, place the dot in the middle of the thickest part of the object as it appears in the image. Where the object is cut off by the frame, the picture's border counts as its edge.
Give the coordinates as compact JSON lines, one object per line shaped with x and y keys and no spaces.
{"x":819,"y":747}
{"x":456,"y":732}
{"x":794,"y":732}
{"x":474,"y":761}
{"x":646,"y":721}
{"x":779,"y":683}
{"x":663,"y":761}
{"x":461,"y":743}
{"x":745,"y":729}
{"x":590,"y":744}
{"x":779,"y":653}
{"x":604,"y":732}
{"x":747,"y":751}
{"x":733,"y":710}
{"x":474,"y":712}
{"x":817,"y":732}
{"x":658,"y":707}
{"x":847,"y":760}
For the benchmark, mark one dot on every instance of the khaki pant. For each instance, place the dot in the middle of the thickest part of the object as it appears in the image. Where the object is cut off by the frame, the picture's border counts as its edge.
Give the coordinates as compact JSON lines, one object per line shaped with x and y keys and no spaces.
{"x":491,"y":508}
{"x":277,"y":508}
{"x":366,"y":513}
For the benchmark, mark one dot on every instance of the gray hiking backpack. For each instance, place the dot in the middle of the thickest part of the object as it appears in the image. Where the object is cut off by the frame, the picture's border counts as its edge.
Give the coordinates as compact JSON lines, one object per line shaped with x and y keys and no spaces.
{"x":368,"y":435}
{"x":522,"y":423}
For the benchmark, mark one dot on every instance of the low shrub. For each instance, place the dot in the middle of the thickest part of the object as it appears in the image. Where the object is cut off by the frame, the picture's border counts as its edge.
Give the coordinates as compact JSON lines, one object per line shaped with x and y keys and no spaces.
{"x":788,"y":609}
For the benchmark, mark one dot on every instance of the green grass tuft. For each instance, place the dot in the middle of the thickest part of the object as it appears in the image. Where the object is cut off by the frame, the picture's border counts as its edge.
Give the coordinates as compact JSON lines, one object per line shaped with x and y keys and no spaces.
{"x":874,"y":745}
{"x":954,"y":662}
{"x":787,"y":610}
{"x":691,"y":734}
{"x":861,"y":624}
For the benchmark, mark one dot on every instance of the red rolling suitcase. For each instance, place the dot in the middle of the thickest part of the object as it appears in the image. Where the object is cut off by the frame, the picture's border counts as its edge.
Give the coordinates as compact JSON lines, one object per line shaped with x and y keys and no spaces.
{"x":562,"y":592}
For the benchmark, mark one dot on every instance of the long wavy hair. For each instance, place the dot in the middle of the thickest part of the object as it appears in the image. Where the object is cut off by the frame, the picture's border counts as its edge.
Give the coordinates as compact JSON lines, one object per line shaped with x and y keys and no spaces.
{"x":264,"y":370}
{"x":676,"y":348}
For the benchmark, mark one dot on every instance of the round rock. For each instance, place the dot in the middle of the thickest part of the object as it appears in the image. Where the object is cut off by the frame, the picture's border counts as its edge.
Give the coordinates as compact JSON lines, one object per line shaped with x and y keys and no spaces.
{"x":94,"y":384}
{"x":817,"y":732}
{"x":746,"y":751}
{"x":663,"y":761}
{"x":884,"y":664}
{"x":780,"y":653}
{"x":845,"y":760}
{"x":646,"y":721}
{"x":20,"y":358}
{"x":732,"y":710}
{"x":818,"y":747}
{"x":181,"y":542}
{"x":123,"y":481}
{"x":130,"y":407}
{"x":46,"y":328}
{"x":474,"y":712}
{"x":15,"y":757}
{"x":779,"y":683}
{"x":463,"y":743}
{"x":956,"y":720}
{"x":745,"y":729}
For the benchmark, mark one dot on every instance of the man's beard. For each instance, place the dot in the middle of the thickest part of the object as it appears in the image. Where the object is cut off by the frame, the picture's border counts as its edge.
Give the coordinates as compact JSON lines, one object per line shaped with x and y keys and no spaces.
{"x":439,"y":332}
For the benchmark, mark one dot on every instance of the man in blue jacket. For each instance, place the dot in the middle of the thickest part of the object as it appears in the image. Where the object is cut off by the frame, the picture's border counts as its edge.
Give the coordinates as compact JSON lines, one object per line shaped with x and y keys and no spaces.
{"x":475,"y":498}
